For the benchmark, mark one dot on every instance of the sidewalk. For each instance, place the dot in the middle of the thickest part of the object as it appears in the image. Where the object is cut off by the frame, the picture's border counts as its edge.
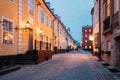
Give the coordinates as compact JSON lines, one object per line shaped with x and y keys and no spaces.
{"x":101,"y":71}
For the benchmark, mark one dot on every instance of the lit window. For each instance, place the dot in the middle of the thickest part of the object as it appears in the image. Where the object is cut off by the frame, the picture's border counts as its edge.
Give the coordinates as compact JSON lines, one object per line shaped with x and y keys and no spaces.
{"x":85,"y":30}
{"x":42,"y":16}
{"x":90,"y":47}
{"x":31,"y":6}
{"x":86,"y":41}
{"x":86,"y":36}
{"x":7,"y":32}
{"x":46,"y":20}
{"x":89,"y":30}
{"x":85,"y":47}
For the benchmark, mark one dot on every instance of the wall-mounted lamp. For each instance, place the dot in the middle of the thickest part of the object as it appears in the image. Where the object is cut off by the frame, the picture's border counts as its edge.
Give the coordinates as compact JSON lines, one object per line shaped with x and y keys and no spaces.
{"x":27,"y":25}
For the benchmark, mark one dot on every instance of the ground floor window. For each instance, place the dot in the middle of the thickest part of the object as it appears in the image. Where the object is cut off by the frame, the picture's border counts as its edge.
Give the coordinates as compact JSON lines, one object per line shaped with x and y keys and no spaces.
{"x":7,"y":31}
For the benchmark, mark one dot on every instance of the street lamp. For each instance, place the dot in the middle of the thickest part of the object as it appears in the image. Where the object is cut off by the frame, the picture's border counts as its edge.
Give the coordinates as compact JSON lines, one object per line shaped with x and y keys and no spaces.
{"x":91,"y":38}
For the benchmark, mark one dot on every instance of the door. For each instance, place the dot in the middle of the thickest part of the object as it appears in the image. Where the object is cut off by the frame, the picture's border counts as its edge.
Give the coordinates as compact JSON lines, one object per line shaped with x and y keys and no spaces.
{"x":30,"y":42}
{"x":118,"y":52}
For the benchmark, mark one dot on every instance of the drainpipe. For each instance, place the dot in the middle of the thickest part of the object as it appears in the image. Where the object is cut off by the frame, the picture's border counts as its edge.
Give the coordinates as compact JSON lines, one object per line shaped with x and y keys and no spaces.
{"x":100,"y":30}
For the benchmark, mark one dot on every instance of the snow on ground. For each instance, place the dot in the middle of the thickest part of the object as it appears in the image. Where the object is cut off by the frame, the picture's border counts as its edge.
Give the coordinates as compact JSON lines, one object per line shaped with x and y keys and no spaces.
{"x":68,"y":66}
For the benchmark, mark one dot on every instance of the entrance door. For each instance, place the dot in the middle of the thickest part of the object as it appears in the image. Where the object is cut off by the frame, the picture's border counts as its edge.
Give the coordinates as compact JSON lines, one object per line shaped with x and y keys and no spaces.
{"x":30,"y":42}
{"x":118,"y":52}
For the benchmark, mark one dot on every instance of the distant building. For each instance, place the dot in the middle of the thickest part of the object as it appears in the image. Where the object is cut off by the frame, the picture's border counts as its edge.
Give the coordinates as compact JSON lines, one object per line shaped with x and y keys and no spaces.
{"x":87,"y":31}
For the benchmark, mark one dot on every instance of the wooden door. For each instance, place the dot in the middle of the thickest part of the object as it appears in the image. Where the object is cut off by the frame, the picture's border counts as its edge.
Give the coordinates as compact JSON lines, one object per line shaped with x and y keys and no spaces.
{"x":30,"y":42}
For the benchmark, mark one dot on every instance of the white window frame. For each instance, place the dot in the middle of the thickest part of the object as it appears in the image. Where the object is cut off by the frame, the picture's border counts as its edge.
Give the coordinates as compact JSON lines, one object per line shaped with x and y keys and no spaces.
{"x":42,"y":14}
{"x":31,"y":6}
{"x":12,"y":31}
{"x":47,"y":20}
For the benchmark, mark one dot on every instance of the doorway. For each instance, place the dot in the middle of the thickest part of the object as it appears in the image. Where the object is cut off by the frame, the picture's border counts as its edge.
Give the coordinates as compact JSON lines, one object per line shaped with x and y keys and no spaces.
{"x":30,"y":42}
{"x":118,"y":52}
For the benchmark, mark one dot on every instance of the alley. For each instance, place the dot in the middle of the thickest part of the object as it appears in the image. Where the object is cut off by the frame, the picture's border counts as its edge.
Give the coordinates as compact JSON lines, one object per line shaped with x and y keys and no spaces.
{"x":70,"y":66}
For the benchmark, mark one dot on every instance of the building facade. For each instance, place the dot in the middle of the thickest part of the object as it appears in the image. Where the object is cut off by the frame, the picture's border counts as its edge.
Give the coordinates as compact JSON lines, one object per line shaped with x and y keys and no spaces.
{"x":110,"y":32}
{"x":87,"y":31}
{"x":27,"y":26}
{"x":62,"y":38}
{"x":95,"y":24}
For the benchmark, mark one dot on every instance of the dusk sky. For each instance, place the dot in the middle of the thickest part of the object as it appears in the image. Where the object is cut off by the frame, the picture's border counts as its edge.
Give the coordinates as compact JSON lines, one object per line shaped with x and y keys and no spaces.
{"x":74,"y":14}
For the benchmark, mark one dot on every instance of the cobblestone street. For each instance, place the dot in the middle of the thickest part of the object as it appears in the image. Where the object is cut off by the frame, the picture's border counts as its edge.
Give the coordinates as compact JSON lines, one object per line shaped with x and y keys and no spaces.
{"x":69,"y":66}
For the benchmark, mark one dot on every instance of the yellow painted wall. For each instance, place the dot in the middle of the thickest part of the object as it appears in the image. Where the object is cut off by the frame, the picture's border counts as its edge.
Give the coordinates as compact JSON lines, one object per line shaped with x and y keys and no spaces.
{"x":9,"y":10}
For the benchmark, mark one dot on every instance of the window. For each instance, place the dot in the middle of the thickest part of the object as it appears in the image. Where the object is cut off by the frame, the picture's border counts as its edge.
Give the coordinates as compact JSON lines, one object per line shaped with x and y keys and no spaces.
{"x":85,"y":47}
{"x":86,"y":36}
{"x":31,"y":6}
{"x":47,"y":21}
{"x":90,"y":47}
{"x":50,"y":21}
{"x":89,"y":30}
{"x":7,"y":32}
{"x":115,"y":6}
{"x":42,"y":16}
{"x":108,"y":8}
{"x":108,"y":46}
{"x":85,"y":30}
{"x":103,"y":45}
{"x":86,"y":41}
{"x":46,"y":38}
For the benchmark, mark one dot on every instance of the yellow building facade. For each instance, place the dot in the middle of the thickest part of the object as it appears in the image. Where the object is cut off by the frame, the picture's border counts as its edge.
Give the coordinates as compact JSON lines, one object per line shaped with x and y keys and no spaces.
{"x":25,"y":25}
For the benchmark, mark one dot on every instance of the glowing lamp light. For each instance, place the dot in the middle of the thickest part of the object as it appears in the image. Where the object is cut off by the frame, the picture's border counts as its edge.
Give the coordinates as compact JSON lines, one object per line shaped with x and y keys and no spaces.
{"x":27,"y":24}
{"x":91,"y":38}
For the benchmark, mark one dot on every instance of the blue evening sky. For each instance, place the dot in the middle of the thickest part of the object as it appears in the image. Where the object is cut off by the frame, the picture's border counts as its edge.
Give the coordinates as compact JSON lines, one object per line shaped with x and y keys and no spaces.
{"x":74,"y":14}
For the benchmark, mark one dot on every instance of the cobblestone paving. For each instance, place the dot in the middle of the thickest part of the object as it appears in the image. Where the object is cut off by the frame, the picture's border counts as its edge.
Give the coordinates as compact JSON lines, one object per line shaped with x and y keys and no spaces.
{"x":64,"y":67}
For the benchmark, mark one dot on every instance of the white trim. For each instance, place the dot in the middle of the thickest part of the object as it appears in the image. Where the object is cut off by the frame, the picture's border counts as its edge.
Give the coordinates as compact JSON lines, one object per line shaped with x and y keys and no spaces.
{"x":19,"y":25}
{"x":3,"y":17}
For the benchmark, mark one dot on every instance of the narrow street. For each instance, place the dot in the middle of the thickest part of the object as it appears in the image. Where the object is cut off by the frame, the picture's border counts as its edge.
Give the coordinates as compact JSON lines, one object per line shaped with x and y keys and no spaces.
{"x":69,"y":66}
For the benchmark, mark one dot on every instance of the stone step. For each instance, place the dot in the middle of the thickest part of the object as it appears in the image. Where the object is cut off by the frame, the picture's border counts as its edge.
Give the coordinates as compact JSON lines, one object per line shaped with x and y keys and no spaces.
{"x":10,"y":69}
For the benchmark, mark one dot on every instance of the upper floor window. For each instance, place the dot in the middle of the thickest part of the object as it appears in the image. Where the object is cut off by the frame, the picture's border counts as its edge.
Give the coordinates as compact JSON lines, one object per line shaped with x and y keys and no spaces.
{"x":47,"y":21}
{"x":108,"y":8}
{"x":90,"y":30}
{"x":42,"y":16}
{"x":86,"y":41}
{"x":31,"y":6}
{"x":50,"y":23}
{"x":85,"y":30}
{"x":7,"y":32}
{"x":12,"y":1}
{"x":108,"y":45}
{"x":115,"y":6}
{"x":86,"y":36}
